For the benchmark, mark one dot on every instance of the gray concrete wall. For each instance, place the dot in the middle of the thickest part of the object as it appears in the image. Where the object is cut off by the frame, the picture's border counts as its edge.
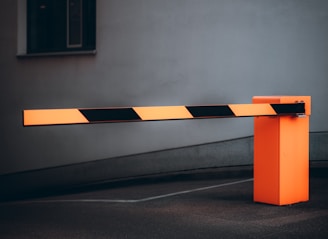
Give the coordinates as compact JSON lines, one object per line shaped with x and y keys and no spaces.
{"x":154,"y":52}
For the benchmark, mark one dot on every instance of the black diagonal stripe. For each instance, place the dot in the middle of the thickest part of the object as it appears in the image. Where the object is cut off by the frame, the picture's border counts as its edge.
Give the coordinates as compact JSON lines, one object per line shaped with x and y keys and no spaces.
{"x":108,"y":115}
{"x":210,"y":111}
{"x":297,"y":108}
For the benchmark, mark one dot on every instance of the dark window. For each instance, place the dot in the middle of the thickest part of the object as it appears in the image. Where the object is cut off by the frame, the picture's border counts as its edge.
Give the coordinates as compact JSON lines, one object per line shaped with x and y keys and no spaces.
{"x":61,"y":25}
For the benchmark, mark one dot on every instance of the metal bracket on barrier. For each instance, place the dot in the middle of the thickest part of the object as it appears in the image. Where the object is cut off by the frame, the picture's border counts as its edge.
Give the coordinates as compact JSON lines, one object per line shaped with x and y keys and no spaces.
{"x":301,"y":115}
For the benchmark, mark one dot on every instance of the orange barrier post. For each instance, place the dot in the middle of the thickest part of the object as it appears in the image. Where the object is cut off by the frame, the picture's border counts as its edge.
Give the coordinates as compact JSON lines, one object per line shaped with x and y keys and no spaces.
{"x":281,"y":154}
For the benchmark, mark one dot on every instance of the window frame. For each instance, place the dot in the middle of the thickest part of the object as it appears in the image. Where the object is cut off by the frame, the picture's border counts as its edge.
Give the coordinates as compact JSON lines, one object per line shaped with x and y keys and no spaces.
{"x":22,"y":35}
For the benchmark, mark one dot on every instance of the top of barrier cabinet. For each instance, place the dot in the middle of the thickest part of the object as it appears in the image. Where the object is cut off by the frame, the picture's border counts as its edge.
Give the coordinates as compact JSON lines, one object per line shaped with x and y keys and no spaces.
{"x":285,"y":99}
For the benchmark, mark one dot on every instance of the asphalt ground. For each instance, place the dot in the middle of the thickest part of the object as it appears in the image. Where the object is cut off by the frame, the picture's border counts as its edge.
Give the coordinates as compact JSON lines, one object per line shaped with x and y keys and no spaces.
{"x":212,"y":203}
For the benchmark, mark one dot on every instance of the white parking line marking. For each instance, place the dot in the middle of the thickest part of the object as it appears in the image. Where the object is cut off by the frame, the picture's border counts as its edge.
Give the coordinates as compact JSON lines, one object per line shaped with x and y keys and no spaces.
{"x":142,"y":199}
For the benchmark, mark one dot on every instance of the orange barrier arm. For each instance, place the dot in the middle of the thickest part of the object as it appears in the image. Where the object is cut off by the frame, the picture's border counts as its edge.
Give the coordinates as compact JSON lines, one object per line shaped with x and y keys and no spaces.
{"x":128,"y":114}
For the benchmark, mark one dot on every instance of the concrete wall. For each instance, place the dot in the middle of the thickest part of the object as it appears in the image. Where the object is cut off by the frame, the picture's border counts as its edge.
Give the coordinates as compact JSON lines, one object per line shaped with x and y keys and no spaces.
{"x":155,"y":52}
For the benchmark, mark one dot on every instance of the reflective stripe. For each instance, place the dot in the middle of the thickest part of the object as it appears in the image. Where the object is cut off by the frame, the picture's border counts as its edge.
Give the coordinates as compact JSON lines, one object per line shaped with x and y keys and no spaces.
{"x":53,"y":116}
{"x":252,"y":109}
{"x":163,"y":112}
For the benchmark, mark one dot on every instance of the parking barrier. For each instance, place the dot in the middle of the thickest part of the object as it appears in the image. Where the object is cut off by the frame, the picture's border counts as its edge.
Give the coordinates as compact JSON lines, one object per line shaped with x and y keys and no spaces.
{"x":281,"y":136}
